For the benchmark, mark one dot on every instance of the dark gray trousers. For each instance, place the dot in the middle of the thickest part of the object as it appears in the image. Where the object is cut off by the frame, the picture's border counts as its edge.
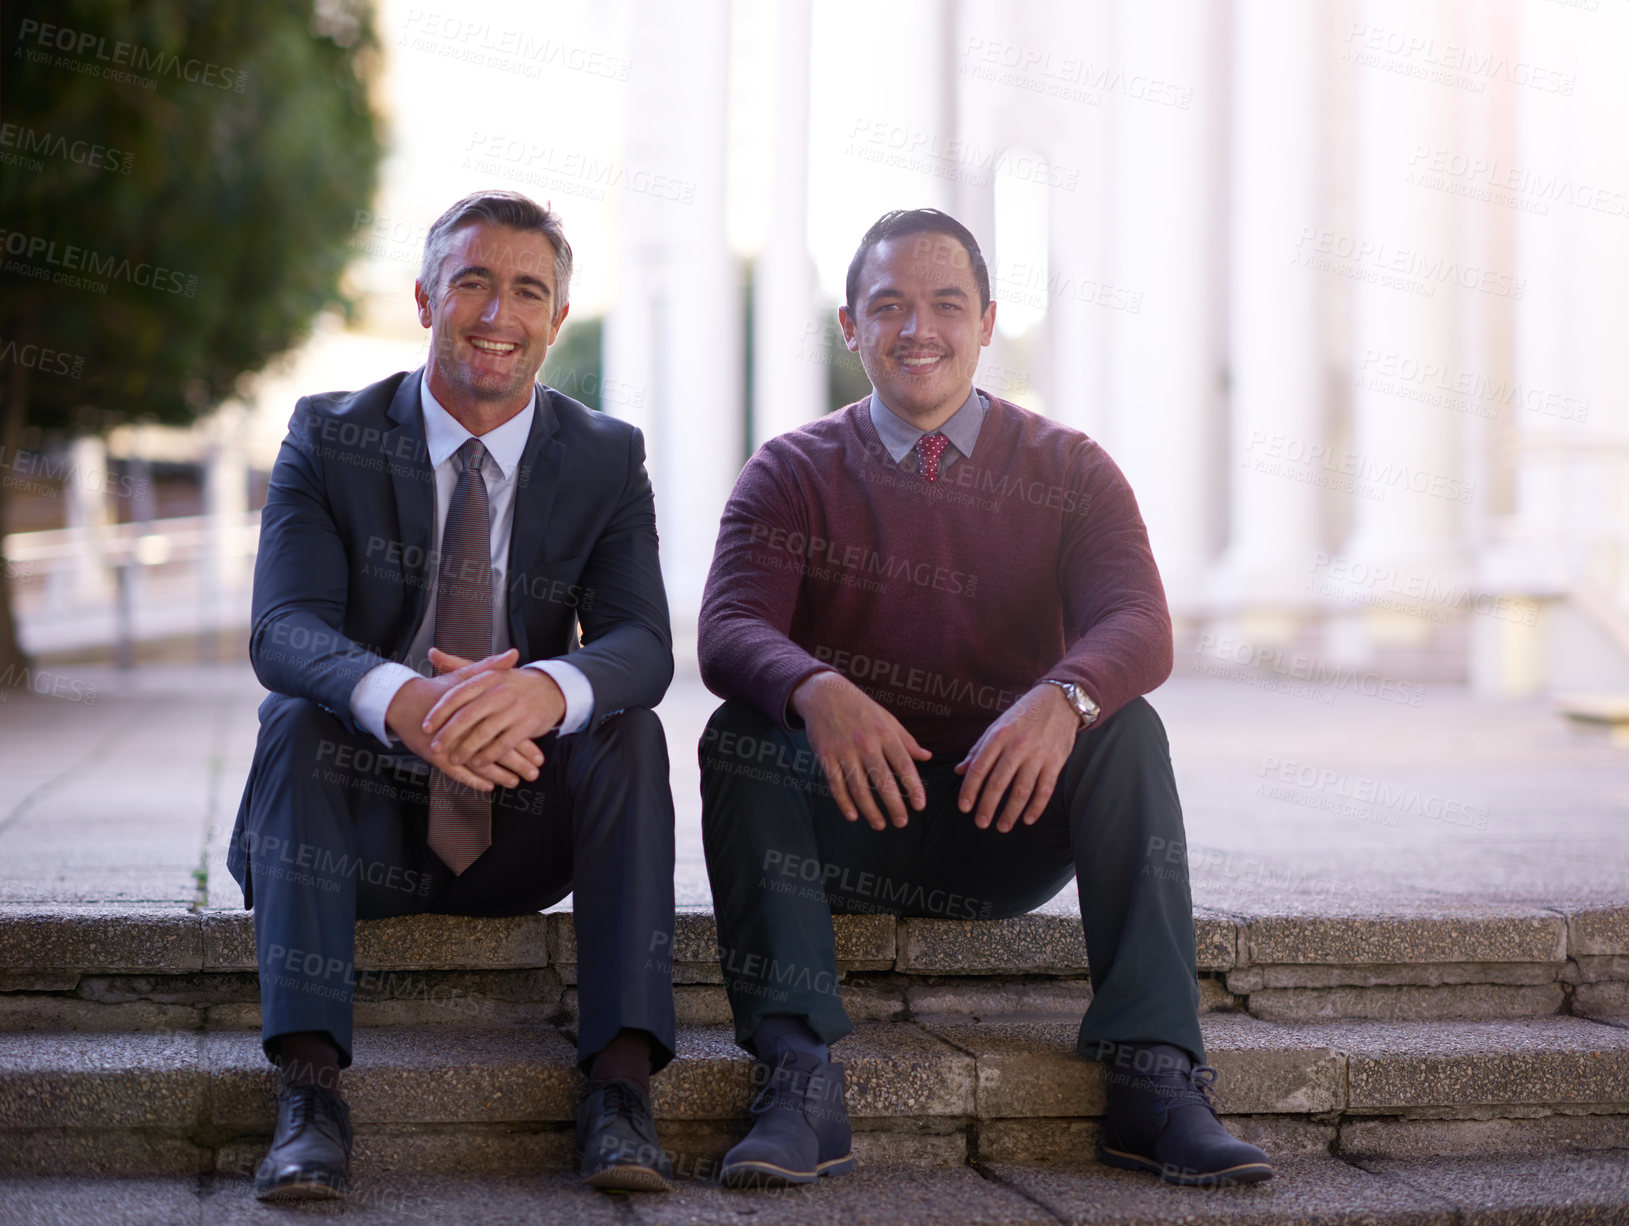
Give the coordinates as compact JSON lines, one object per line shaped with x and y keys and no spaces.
{"x":782,"y":859}
{"x":336,"y":831}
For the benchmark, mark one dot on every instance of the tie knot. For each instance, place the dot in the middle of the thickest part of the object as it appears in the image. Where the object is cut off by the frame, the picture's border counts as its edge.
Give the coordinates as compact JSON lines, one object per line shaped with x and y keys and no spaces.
{"x":929,"y":448}
{"x":471,"y":455}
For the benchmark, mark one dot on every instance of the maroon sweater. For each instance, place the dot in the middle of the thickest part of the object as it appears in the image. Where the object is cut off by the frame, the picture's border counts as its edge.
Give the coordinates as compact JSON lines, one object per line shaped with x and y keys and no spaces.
{"x":944,"y":602}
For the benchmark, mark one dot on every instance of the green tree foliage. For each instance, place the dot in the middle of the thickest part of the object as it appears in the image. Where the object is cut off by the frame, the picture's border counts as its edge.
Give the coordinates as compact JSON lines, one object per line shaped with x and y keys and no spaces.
{"x":178,"y":188}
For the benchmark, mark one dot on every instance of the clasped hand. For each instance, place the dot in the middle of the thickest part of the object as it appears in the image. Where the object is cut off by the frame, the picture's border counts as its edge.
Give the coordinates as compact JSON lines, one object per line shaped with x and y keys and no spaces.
{"x":477,"y":720}
{"x":863,"y":750}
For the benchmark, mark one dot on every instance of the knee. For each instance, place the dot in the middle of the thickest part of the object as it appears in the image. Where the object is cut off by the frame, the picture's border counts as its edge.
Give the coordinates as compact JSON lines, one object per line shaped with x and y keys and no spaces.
{"x":1138,"y":723}
{"x":634,"y":735}
{"x":300,"y":730}
{"x":734,"y":722}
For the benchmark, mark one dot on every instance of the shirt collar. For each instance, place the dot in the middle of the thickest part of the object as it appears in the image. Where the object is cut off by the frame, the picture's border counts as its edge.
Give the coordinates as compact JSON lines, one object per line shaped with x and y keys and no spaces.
{"x":443,"y":434}
{"x":899,"y":436}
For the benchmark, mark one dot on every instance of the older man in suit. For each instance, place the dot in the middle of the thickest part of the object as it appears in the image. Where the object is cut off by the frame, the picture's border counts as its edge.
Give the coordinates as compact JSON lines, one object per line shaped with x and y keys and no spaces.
{"x":436,"y":739}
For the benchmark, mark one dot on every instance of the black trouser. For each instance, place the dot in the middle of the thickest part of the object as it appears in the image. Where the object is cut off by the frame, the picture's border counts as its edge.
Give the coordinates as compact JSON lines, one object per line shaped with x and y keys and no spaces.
{"x":337,"y":831}
{"x":782,"y":859}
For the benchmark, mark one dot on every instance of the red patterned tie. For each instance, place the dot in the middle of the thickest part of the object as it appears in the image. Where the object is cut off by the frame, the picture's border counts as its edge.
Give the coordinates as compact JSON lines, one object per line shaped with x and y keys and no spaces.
{"x":928,"y":450}
{"x":461,"y":817}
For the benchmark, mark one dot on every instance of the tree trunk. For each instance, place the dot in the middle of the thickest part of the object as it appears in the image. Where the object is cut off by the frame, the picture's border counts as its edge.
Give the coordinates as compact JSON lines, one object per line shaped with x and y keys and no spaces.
{"x":13,"y":414}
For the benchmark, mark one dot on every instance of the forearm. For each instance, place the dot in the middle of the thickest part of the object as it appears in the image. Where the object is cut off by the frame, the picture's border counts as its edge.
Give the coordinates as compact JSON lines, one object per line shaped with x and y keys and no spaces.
{"x":1125,"y":654}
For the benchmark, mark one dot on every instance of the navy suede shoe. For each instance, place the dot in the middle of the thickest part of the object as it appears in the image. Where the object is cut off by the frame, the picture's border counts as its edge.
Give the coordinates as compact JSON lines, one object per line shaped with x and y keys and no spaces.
{"x":1160,"y":1118}
{"x":800,"y":1128}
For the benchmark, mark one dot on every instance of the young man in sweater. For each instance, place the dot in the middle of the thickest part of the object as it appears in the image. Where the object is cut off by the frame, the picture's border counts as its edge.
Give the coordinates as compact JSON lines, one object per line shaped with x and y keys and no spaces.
{"x":932,"y":616}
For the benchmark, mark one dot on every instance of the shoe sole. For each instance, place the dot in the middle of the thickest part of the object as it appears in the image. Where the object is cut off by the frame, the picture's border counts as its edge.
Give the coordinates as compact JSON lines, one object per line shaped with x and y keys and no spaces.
{"x":628,"y":1178}
{"x":768,"y":1175}
{"x":1248,"y":1172}
{"x":301,"y":1188}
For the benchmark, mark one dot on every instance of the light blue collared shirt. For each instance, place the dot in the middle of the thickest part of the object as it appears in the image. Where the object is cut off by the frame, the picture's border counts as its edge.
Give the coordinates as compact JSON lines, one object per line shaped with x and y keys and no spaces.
{"x":443,"y":436}
{"x":899,"y":436}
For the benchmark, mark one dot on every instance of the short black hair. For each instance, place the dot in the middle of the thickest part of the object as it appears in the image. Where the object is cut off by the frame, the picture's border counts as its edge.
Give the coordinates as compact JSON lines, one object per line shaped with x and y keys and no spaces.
{"x":919,"y":221}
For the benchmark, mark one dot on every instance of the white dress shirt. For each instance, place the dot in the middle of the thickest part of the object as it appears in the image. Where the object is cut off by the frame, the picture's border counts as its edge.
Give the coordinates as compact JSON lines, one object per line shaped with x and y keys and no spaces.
{"x":443,"y":436}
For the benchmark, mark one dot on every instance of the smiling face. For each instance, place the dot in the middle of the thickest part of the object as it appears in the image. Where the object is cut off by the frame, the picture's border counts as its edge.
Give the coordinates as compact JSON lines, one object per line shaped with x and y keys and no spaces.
{"x":492,"y":316}
{"x":917,"y":325}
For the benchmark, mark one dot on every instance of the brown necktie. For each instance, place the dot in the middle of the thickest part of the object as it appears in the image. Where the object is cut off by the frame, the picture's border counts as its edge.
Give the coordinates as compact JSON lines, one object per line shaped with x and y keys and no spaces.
{"x":928,"y":450}
{"x":461,"y":817}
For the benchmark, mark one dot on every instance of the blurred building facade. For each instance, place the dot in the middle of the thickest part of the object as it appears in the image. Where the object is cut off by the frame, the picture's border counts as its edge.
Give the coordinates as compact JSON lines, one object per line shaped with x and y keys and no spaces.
{"x":1339,"y":286}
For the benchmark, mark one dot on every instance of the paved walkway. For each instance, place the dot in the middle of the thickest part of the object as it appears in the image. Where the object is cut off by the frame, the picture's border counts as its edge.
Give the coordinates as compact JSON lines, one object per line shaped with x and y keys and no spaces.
{"x":122,"y":787}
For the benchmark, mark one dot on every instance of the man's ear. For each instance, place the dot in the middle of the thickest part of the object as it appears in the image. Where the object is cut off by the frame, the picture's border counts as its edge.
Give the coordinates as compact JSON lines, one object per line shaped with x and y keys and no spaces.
{"x":422,"y":297}
{"x":850,"y":336}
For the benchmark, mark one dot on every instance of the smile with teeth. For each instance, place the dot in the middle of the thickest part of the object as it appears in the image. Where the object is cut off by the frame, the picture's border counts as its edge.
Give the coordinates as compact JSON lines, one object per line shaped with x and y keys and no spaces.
{"x":922,"y":359}
{"x":498,"y":347}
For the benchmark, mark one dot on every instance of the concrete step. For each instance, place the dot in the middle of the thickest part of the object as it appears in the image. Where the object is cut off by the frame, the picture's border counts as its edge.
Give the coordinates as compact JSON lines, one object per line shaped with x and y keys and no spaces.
{"x":142,"y":968}
{"x":931,"y":1092}
{"x":1555,"y":1190}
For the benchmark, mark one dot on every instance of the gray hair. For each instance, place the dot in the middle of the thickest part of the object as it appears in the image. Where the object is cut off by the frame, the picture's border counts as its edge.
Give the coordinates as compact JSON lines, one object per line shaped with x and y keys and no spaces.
{"x":502,"y":208}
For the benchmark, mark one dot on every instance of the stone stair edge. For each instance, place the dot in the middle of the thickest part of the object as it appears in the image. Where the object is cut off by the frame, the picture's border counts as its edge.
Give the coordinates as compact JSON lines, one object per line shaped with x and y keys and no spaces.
{"x":175,"y":938}
{"x":1478,"y":1191}
{"x":934,"y":1068}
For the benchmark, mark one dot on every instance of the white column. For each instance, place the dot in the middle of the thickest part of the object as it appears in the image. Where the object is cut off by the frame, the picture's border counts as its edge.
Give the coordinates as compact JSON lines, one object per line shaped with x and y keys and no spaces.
{"x":1077,"y":326}
{"x":1399,"y":446}
{"x":89,"y":518}
{"x":1564,"y":549}
{"x":788,"y":388}
{"x":1277,"y":360}
{"x":1169,"y":170}
{"x":674,"y":337}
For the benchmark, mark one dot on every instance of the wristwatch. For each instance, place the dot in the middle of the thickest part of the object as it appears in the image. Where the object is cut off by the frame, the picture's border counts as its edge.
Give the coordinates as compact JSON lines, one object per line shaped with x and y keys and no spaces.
{"x":1076,"y":697}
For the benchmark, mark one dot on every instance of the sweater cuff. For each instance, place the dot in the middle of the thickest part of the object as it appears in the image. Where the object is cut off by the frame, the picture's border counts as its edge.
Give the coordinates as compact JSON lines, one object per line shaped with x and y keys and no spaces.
{"x":790,"y":719}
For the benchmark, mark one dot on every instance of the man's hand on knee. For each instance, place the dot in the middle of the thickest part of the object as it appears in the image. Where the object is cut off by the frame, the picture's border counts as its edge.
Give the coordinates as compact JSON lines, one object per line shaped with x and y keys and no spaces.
{"x":862,"y":748}
{"x":1026,"y":750}
{"x":413,"y":703}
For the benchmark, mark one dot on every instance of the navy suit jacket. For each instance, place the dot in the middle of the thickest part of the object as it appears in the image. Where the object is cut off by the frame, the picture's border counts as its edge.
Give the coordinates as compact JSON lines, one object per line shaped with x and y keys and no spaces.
{"x":344,"y":568}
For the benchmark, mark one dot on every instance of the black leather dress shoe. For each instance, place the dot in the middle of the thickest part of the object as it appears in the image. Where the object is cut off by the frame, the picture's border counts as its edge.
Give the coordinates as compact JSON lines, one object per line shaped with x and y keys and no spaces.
{"x":616,"y":1139}
{"x":310,"y":1156}
{"x":1160,"y":1118}
{"x":800,"y":1129}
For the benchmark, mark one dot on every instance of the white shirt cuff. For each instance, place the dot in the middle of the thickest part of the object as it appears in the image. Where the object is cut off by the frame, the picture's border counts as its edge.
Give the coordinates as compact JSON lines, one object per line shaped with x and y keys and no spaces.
{"x":370,"y":700}
{"x":575,"y":688}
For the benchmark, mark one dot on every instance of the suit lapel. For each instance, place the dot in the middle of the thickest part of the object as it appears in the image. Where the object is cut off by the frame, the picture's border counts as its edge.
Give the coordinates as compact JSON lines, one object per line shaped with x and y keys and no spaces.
{"x":413,"y":484}
{"x":536,"y":482}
